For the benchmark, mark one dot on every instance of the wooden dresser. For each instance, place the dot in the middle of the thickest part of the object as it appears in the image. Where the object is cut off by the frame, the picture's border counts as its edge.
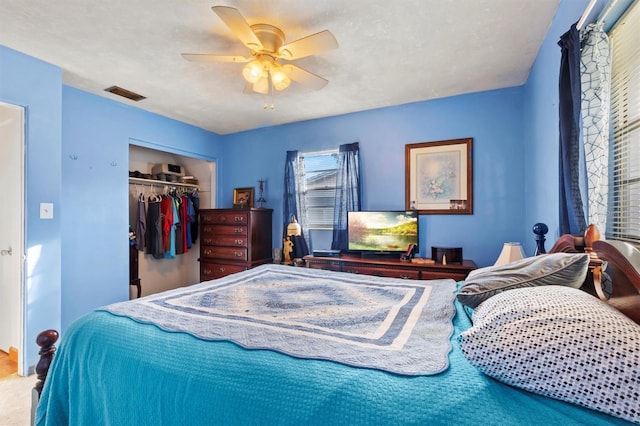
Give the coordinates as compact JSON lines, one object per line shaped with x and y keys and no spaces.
{"x":233,"y":240}
{"x":393,"y":268}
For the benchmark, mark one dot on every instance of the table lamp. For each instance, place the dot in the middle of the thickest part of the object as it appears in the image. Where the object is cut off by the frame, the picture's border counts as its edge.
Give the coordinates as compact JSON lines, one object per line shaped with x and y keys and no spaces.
{"x":510,"y":253}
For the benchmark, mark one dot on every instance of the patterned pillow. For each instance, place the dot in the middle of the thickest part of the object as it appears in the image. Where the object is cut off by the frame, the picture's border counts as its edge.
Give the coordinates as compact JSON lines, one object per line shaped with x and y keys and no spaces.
{"x":568,"y":269}
{"x":562,"y":343}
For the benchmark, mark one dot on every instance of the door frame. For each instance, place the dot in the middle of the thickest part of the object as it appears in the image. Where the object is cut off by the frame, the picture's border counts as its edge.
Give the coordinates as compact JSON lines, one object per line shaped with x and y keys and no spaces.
{"x":20,"y":250}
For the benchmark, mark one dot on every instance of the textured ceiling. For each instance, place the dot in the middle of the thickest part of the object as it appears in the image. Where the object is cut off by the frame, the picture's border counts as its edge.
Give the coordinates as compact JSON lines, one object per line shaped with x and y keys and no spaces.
{"x":389,"y":53}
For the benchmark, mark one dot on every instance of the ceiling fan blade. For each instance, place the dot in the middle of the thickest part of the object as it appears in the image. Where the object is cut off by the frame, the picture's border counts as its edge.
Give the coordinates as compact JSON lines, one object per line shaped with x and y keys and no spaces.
{"x":305,"y":77}
{"x":203,"y":57}
{"x":239,"y":26}
{"x":310,"y":45}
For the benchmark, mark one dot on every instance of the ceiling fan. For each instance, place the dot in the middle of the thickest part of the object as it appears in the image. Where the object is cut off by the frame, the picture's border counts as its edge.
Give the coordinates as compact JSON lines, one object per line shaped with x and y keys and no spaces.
{"x":266,"y":44}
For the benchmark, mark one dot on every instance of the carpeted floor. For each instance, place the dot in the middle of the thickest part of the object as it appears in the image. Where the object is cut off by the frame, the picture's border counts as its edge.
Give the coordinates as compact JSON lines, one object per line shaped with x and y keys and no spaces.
{"x":15,"y":400}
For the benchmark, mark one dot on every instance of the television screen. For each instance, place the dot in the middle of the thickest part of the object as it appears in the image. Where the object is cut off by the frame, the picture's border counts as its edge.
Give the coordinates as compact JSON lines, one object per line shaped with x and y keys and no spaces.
{"x":382,"y":231}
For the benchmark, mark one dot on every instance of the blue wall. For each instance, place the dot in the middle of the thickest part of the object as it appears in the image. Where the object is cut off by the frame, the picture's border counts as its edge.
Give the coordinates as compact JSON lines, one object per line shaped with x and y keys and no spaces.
{"x":37,"y":86}
{"x":95,"y":164}
{"x":541,"y":137}
{"x":493,"y":119}
{"x":77,"y":158}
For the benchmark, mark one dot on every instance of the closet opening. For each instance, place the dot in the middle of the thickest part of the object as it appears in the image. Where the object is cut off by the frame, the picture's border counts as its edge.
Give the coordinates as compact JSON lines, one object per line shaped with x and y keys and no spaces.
{"x":150,"y":183}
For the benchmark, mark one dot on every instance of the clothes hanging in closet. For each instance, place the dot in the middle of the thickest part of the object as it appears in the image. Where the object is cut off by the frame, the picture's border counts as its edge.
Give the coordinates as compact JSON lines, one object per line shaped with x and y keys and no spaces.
{"x":141,"y":225}
{"x":153,"y":231}
{"x":195,"y":200}
{"x":165,"y":224}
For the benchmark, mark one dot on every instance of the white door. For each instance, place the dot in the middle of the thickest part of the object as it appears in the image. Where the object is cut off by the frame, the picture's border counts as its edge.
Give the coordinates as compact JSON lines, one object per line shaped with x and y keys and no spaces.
{"x":11,"y":227}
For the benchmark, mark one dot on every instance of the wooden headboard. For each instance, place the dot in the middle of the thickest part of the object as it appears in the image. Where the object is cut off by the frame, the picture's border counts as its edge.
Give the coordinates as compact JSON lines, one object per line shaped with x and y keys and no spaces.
{"x":614,"y":262}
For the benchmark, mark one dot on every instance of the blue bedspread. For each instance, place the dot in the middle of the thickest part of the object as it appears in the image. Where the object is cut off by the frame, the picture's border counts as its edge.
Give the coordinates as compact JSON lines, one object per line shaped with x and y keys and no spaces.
{"x":396,"y":325}
{"x":113,"y":370}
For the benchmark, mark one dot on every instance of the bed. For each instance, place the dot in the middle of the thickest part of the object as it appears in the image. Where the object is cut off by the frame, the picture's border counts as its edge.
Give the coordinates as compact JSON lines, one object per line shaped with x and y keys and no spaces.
{"x":112,"y":369}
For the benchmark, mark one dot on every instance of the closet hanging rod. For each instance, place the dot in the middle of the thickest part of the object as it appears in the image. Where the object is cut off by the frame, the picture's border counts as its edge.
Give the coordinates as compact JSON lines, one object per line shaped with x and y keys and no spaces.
{"x":141,"y":181}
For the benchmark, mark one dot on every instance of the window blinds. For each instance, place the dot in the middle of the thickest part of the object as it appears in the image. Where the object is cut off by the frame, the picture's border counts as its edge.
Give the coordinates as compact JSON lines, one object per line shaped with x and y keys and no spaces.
{"x":320,"y":170}
{"x":624,"y":203}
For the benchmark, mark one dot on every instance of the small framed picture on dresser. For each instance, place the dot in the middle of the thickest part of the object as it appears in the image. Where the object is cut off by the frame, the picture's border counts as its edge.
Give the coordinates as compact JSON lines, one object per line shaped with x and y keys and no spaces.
{"x":243,"y":198}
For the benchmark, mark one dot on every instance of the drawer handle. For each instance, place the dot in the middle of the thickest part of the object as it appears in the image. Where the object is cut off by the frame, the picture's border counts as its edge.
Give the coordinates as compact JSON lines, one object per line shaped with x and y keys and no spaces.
{"x":239,"y":230}
{"x":222,"y":269}
{"x":239,"y":218}
{"x":207,"y":252}
{"x":222,"y":218}
{"x":208,"y":241}
{"x":239,"y":254}
{"x":239,"y":242}
{"x":405,"y":277}
{"x":207,"y":272}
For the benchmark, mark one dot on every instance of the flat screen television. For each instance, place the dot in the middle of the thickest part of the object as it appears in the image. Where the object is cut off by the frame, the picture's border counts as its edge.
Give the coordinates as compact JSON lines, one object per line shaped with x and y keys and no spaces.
{"x":382,"y":232}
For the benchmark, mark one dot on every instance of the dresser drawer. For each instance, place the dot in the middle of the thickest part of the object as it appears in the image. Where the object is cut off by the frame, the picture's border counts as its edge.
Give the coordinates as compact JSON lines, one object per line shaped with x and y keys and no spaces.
{"x":209,"y":231}
{"x":325,"y":265}
{"x":225,"y":218}
{"x":222,"y":240}
{"x":211,"y":271}
{"x":229,"y":253}
{"x":383,"y":272}
{"x":456,"y":276}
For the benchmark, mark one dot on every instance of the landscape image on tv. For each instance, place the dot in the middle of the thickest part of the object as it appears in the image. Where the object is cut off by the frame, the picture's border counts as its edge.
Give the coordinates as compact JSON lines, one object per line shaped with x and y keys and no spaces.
{"x":390,"y":231}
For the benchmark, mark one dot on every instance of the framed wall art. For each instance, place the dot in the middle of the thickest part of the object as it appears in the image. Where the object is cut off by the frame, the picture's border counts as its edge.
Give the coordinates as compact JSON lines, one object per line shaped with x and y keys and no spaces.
{"x":439,"y":177}
{"x":243,"y":198}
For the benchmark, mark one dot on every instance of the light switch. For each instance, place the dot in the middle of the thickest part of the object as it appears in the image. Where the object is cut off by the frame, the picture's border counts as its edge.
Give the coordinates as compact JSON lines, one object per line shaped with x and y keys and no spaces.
{"x":46,"y":210}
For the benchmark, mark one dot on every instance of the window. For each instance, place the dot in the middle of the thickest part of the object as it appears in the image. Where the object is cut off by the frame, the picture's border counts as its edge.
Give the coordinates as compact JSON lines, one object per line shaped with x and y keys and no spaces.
{"x":624,"y":156}
{"x":319,"y":170}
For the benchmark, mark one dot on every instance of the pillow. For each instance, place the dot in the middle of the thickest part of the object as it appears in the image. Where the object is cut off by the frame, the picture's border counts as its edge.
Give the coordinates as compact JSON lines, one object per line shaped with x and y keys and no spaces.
{"x":562,"y":343}
{"x":568,"y":269}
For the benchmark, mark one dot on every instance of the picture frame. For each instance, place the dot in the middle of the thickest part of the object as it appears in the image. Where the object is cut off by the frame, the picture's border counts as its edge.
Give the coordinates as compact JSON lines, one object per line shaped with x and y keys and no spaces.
{"x":243,"y":198}
{"x":439,"y":177}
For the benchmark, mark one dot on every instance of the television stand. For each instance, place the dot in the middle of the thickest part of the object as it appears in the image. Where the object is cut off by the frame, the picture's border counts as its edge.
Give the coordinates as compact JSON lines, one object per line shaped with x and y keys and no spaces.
{"x":391,"y":267}
{"x":378,"y":255}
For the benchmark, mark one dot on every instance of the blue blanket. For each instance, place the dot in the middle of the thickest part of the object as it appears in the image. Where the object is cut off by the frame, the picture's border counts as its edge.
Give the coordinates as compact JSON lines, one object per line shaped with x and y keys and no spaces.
{"x":400,"y":326}
{"x":113,"y":370}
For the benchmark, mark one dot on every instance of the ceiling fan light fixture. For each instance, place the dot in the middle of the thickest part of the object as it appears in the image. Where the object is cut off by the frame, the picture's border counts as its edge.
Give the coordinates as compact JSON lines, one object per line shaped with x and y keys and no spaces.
{"x":253,"y":71}
{"x":279,"y":78}
{"x":267,"y":45}
{"x":261,"y":86}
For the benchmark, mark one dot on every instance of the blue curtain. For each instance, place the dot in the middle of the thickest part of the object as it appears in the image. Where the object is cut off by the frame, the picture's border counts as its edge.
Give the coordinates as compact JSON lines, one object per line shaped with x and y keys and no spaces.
{"x":572,"y":215}
{"x":347,"y":192}
{"x":292,"y":204}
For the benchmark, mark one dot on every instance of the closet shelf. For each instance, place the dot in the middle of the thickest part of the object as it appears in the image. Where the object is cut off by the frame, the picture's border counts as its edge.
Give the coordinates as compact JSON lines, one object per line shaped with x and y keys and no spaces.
{"x":141,"y":181}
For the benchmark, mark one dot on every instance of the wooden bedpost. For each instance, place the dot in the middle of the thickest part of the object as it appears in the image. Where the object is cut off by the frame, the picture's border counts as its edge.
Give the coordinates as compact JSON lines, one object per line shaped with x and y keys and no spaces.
{"x":591,"y":235}
{"x":540,"y":229}
{"x":584,"y":244}
{"x":46,"y":340}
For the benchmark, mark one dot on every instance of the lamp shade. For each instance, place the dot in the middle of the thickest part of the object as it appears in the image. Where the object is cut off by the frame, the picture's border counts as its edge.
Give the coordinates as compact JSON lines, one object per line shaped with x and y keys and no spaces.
{"x":510,"y":253}
{"x":279,"y":78}
{"x":252,"y":72}
{"x":261,"y":86}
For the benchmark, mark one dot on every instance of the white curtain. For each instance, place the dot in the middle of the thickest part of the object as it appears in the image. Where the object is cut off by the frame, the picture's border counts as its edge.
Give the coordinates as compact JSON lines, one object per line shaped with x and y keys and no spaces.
{"x":595,"y":71}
